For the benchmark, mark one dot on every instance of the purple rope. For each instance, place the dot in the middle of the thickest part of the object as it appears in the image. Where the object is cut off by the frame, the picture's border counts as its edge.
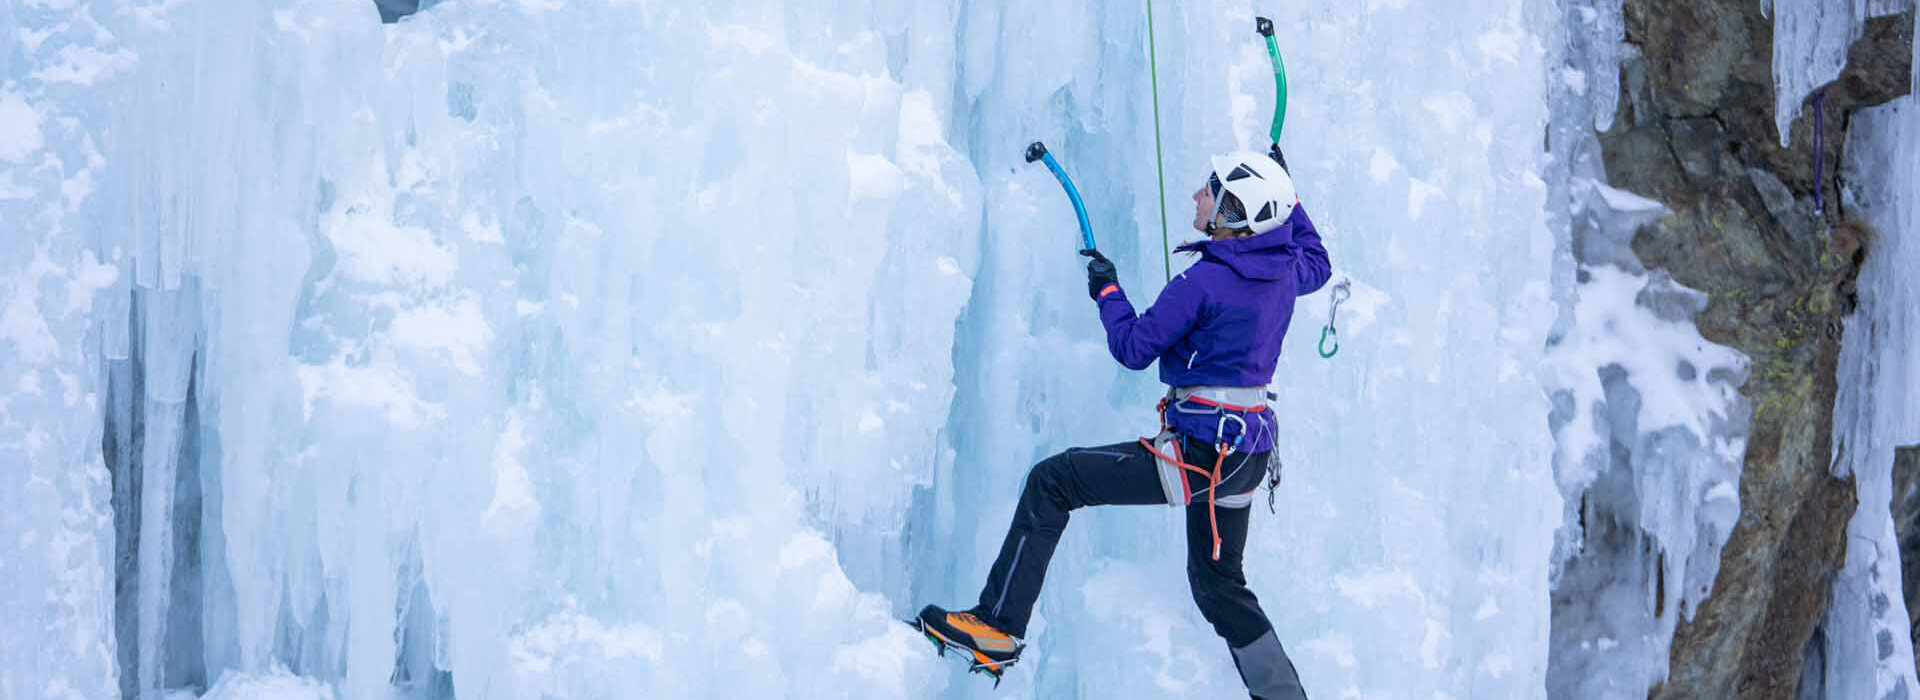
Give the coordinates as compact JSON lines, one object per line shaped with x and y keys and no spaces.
{"x":1819,"y":152}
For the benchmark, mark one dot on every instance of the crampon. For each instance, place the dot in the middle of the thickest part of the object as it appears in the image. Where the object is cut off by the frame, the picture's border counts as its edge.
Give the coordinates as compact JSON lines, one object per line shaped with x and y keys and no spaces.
{"x":994,"y":664}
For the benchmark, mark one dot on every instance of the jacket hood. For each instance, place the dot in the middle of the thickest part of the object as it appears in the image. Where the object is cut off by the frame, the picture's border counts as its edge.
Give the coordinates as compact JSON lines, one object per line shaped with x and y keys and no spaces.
{"x":1266,"y":257}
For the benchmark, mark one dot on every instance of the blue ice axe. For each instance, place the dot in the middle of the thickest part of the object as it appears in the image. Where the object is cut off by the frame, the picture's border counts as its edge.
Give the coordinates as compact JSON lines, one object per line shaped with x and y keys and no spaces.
{"x":1038,"y":151}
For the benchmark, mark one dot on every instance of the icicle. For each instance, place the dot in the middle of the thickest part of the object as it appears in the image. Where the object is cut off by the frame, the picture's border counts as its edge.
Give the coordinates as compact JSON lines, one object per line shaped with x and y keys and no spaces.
{"x":169,"y":341}
{"x":1868,"y":650}
{"x":159,"y":461}
{"x":1810,"y":42}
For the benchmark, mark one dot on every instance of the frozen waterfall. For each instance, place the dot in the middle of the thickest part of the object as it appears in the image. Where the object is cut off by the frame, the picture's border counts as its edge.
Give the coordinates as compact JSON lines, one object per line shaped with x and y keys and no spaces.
{"x":610,"y":349}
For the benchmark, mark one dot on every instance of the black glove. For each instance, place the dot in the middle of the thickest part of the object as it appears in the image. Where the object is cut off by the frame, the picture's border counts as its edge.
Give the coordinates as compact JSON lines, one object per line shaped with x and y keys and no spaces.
{"x":1100,"y":273}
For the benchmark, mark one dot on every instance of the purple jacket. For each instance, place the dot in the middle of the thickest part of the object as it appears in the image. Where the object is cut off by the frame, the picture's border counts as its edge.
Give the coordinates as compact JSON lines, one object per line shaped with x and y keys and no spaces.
{"x":1221,"y":322}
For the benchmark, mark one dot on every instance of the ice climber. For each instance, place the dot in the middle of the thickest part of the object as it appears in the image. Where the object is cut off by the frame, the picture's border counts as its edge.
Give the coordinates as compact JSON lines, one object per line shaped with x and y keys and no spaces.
{"x":1216,"y":330}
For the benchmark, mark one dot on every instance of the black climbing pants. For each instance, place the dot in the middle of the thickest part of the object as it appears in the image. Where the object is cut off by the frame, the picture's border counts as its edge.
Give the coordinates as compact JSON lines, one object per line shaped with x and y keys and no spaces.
{"x":1127,"y":474}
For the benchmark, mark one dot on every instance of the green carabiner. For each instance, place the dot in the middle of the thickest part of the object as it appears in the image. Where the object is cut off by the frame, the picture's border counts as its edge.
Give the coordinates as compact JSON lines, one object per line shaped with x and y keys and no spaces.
{"x":1338,"y":294}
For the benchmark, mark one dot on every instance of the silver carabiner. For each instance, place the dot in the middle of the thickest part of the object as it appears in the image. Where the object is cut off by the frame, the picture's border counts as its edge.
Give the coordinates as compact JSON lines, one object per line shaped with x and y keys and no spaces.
{"x":1221,"y":431}
{"x":1340,"y":293}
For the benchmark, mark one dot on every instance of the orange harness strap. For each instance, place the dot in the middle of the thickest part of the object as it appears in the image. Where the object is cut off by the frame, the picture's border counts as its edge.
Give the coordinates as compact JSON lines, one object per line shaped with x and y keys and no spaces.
{"x":1213,"y":478}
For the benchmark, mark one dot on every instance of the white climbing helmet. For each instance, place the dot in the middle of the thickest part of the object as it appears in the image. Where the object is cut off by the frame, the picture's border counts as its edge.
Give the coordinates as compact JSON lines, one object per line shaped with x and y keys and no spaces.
{"x":1263,"y":188}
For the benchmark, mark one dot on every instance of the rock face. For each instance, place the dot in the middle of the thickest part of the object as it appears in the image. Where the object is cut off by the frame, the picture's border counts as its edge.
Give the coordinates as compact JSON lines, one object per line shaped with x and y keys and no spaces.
{"x":1696,"y":131}
{"x":1906,"y":524}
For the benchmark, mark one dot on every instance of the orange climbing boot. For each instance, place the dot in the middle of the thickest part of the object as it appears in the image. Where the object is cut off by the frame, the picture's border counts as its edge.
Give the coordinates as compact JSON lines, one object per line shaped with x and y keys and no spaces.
{"x":988,"y":649}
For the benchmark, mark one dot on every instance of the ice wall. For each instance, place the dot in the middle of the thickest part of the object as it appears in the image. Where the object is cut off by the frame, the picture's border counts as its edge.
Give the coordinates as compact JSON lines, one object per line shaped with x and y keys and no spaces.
{"x":56,"y":571}
{"x":1867,"y":649}
{"x":672,"y":349}
{"x":521,"y":337}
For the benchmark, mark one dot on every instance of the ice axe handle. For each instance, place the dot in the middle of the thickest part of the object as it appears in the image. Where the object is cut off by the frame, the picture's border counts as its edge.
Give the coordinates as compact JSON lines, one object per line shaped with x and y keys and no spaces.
{"x":1265,"y":27}
{"x":1038,"y":152}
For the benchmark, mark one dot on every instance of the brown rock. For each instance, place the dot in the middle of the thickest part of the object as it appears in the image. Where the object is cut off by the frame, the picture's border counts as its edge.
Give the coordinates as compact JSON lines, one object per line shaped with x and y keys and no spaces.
{"x":1697,"y":132}
{"x":1906,"y":526}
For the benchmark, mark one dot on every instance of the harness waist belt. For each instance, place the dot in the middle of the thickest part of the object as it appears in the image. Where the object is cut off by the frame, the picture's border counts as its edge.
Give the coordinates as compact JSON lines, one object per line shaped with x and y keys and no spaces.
{"x":1239,"y":399}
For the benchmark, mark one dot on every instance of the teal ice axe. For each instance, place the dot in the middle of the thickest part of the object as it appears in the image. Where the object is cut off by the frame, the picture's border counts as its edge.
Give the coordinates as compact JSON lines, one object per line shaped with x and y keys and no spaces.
{"x":1038,"y":152}
{"x":1265,"y":27}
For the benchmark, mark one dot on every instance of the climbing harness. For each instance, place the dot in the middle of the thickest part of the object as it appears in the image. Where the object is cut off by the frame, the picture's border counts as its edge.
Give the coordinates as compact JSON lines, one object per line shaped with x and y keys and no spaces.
{"x":1339,"y":294}
{"x":1166,"y":446}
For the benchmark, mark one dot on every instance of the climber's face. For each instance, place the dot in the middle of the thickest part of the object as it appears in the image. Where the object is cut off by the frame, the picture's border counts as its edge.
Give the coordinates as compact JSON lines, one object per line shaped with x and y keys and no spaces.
{"x":1202,"y":208}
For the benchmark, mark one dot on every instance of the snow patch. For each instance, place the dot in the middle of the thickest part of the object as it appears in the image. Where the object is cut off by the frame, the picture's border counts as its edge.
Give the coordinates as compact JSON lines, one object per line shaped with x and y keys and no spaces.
{"x":277,"y":684}
{"x":19,"y":127}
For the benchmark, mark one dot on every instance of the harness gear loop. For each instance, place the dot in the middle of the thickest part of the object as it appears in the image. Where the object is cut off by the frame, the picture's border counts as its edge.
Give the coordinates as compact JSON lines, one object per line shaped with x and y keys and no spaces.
{"x":1340,"y":293}
{"x":1213,"y":481}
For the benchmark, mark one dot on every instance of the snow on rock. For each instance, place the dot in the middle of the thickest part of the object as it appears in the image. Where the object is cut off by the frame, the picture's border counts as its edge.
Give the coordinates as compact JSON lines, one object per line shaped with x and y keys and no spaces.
{"x":1649,"y":425}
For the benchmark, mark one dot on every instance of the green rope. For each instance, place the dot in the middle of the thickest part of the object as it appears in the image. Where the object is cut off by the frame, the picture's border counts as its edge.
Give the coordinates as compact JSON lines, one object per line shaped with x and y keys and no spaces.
{"x":1159,"y":158}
